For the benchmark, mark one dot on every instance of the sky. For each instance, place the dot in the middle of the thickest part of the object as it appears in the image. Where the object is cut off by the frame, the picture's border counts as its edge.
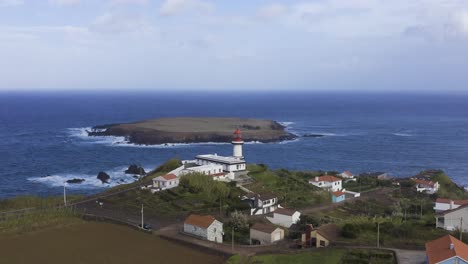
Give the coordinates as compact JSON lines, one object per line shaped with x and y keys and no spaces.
{"x":248,"y":45}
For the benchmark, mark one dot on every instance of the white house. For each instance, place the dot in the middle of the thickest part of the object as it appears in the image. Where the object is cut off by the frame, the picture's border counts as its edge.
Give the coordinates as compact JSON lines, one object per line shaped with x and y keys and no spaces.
{"x":346,"y":175}
{"x":327,"y":182}
{"x":221,"y":167}
{"x":425,"y":186}
{"x":453,"y":219}
{"x":446,"y":250}
{"x":443,"y":204}
{"x":285,"y":217}
{"x":206,"y":227}
{"x":265,"y":234}
{"x":164,"y":182}
{"x":261,"y":203}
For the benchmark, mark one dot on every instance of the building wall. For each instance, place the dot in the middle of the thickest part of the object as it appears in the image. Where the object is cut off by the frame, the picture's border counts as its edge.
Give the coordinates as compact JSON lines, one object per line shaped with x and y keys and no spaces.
{"x":338,"y":199}
{"x":285,"y":220}
{"x":215,"y":232}
{"x":265,"y":238}
{"x":332,"y":186}
{"x":320,"y":241}
{"x":166,"y":184}
{"x":440,"y":207}
{"x":452,"y":220}
{"x":195,"y":230}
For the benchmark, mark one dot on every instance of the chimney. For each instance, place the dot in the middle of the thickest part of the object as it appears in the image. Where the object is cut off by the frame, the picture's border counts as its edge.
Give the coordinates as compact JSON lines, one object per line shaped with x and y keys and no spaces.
{"x":316,"y":178}
{"x":452,"y":204}
{"x":452,"y":247}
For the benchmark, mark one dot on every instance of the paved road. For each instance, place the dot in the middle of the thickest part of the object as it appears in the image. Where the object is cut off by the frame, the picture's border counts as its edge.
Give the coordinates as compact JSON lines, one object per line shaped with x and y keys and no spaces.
{"x":410,"y":256}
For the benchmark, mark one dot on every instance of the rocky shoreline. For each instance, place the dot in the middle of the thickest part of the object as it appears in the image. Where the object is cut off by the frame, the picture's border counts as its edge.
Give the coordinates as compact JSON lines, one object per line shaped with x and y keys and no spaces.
{"x":195,"y":130}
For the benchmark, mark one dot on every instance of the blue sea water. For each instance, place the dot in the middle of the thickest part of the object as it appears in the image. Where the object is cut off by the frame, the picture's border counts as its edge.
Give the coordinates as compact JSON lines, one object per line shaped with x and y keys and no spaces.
{"x":43,"y":140}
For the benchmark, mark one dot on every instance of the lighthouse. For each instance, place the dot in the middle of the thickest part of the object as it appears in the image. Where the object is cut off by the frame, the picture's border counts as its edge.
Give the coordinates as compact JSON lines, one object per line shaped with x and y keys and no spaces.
{"x":237,"y":142}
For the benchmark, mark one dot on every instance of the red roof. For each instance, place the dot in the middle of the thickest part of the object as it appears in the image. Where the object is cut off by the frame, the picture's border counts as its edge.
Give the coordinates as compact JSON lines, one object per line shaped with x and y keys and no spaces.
{"x":348,"y":173}
{"x":447,"y":201}
{"x":169,"y":177}
{"x":326,"y":178}
{"x":439,"y":250}
{"x":424,"y":182}
{"x":237,"y":135}
{"x":203,"y":221}
{"x":338,"y":193}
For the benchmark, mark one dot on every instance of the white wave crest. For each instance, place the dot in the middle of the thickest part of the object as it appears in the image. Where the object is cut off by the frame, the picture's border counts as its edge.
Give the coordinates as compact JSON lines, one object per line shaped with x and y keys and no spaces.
{"x":402,"y":134}
{"x":117,"y":177}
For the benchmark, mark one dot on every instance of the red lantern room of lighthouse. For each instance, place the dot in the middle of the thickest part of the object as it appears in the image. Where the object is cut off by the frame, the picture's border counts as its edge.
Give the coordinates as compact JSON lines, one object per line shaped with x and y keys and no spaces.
{"x":237,"y":142}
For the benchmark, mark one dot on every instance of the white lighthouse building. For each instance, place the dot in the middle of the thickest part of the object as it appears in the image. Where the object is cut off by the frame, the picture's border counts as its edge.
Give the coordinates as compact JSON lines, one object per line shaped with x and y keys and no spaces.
{"x":231,"y":166}
{"x":237,"y":142}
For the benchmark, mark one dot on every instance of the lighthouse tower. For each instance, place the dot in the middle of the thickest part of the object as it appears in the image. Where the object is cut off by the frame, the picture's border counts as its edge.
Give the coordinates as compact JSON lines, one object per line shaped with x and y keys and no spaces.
{"x":237,"y":142}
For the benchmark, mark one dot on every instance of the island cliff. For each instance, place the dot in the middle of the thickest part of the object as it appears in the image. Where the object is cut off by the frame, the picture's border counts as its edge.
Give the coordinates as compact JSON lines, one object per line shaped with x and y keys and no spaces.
{"x":194,"y":130}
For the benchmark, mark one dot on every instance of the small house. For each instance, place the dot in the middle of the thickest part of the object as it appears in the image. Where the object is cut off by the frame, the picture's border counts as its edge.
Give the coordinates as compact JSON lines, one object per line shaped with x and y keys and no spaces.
{"x":265,"y":234}
{"x":320,"y":237}
{"x":426,"y":186}
{"x":285,"y":217}
{"x":338,"y":196}
{"x":327,"y":182}
{"x":164,"y":182}
{"x":261,"y":203}
{"x":443,"y":204}
{"x":206,"y":227}
{"x":453,"y":219}
{"x":346,"y":175}
{"x":446,"y":249}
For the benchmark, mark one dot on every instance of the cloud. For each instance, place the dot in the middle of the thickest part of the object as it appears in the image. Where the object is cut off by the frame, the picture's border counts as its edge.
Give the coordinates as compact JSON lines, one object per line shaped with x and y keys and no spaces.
{"x":272,"y":10}
{"x":65,"y":2}
{"x":5,"y":3}
{"x":173,"y":7}
{"x":110,"y":23}
{"x":125,"y":2}
{"x":461,"y":19}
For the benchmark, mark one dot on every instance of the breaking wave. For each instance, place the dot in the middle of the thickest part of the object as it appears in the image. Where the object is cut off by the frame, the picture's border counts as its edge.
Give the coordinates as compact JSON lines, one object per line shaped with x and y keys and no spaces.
{"x":117,"y":177}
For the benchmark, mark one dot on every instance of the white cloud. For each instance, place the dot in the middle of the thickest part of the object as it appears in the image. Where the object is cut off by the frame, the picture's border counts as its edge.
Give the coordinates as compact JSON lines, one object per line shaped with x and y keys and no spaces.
{"x":124,"y":2}
{"x":4,"y":3}
{"x":110,"y":23}
{"x":462,"y":21}
{"x":173,"y":7}
{"x":272,"y":10}
{"x":65,"y":2}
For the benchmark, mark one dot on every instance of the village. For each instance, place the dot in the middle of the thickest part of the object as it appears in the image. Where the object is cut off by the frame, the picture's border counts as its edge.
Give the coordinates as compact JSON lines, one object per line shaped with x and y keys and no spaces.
{"x":308,"y":211}
{"x":248,"y":213}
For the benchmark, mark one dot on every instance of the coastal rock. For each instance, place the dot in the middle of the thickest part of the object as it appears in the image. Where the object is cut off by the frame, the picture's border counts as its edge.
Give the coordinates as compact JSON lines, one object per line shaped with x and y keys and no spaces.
{"x":135,"y":169}
{"x":104,"y":177}
{"x":75,"y":181}
{"x":195,"y":130}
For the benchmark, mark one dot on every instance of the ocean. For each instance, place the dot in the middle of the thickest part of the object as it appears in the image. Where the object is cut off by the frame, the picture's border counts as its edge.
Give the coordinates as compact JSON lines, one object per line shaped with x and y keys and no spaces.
{"x":43,"y":139}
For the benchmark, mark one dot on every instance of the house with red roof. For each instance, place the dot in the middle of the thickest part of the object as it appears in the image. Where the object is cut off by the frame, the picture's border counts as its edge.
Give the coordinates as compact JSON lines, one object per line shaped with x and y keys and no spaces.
{"x":205,"y":227}
{"x":327,"y":182}
{"x":426,"y":186}
{"x":338,"y":196}
{"x":347,"y":175}
{"x":453,"y":219}
{"x":446,"y":250}
{"x":164,"y":182}
{"x":285,"y":217}
{"x":444,"y":204}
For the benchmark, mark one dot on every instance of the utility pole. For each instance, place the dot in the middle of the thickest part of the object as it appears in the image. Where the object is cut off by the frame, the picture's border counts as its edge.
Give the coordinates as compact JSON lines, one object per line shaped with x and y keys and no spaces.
{"x":461,"y":228}
{"x":64,"y":196}
{"x":378,"y":234}
{"x":232,"y":239}
{"x":142,"y":222}
{"x":421,"y":209}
